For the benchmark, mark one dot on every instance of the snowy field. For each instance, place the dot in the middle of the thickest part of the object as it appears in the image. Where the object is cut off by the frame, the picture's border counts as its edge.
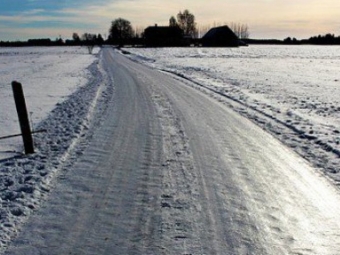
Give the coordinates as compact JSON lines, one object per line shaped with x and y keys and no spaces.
{"x":63,"y":87}
{"x":291,"y":91}
{"x":48,"y":76}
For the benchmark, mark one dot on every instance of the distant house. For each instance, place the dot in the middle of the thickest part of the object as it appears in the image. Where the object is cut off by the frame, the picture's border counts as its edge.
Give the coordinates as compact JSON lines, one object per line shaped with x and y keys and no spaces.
{"x":162,"y":36}
{"x":221,"y":37}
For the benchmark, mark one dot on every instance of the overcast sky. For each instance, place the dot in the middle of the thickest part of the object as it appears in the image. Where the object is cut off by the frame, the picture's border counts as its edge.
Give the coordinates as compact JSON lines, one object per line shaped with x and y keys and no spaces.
{"x":23,"y":19}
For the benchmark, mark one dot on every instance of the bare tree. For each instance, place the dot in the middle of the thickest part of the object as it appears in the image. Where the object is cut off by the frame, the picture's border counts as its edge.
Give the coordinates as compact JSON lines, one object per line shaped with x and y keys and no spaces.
{"x":75,"y":37}
{"x":202,"y":30}
{"x":173,"y":22}
{"x":89,"y":40}
{"x":241,"y":30}
{"x":244,"y":31}
{"x":120,"y":30}
{"x":186,"y":21}
{"x":139,"y":30}
{"x":100,"y":40}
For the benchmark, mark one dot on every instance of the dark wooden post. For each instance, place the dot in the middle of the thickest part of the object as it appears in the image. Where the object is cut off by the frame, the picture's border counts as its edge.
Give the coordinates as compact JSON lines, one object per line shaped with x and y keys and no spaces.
{"x":23,"y":117}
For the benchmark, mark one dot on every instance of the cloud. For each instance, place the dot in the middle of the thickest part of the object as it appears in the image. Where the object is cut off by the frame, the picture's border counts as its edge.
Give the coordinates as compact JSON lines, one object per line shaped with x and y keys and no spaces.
{"x":33,"y":12}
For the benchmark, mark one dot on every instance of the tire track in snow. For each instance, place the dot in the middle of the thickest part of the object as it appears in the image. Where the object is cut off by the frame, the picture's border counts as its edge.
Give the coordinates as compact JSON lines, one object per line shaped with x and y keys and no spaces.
{"x":258,"y":197}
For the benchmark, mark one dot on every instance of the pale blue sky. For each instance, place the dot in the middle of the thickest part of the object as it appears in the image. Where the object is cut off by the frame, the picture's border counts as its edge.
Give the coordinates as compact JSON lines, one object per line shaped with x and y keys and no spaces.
{"x":23,"y":19}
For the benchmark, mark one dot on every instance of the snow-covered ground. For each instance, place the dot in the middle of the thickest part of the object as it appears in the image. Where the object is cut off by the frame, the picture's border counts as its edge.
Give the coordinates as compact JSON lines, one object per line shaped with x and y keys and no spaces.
{"x":291,"y":91}
{"x":64,"y":87}
{"x":48,"y":76}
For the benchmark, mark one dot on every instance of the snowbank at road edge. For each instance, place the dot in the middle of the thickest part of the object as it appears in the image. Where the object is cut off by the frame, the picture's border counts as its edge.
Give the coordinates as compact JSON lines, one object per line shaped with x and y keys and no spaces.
{"x":25,"y":181}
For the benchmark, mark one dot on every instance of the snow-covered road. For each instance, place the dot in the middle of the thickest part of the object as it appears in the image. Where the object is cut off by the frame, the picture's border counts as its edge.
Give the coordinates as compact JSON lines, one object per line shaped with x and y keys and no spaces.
{"x":172,"y":170}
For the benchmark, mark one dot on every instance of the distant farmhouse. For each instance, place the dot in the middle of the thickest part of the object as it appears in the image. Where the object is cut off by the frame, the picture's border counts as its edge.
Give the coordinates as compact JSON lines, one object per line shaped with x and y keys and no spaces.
{"x":163,"y":36}
{"x":221,"y":37}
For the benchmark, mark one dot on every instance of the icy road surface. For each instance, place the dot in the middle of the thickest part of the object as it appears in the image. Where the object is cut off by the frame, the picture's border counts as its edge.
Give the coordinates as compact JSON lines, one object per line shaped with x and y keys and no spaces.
{"x":172,"y":170}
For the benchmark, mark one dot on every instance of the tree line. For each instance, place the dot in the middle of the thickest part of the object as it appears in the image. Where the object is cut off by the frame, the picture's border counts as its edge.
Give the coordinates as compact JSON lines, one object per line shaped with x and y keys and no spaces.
{"x":184,"y":20}
{"x":327,"y":39}
{"x":121,"y":31}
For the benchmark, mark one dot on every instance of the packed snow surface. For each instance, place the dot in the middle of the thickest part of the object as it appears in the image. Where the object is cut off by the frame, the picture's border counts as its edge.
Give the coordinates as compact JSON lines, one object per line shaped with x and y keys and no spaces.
{"x":291,"y":91}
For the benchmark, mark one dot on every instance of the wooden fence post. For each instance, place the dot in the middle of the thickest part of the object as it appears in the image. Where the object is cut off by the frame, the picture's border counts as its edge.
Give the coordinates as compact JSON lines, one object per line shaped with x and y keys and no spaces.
{"x":23,"y":117}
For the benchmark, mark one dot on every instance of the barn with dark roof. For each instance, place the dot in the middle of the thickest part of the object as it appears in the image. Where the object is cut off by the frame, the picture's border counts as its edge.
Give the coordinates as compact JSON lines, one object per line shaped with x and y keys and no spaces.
{"x":221,"y":37}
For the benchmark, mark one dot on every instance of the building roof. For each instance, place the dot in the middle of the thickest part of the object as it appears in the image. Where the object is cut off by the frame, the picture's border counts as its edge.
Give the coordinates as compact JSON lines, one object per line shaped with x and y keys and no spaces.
{"x":219,"y":37}
{"x":163,"y":31}
{"x":163,"y":36}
